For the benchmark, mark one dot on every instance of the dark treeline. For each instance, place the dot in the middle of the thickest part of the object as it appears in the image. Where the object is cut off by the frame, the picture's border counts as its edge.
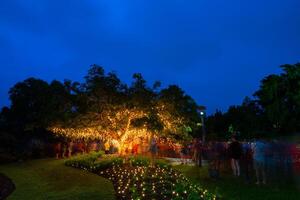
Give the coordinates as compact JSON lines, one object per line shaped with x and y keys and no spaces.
{"x":273,"y":110}
{"x":102,"y":102}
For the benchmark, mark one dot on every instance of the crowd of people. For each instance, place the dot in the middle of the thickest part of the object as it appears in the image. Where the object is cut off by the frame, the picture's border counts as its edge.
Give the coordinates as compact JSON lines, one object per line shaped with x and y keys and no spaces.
{"x":258,"y":161}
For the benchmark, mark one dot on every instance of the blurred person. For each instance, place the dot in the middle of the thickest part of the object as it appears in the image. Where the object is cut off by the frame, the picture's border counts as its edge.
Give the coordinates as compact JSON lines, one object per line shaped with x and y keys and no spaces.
{"x":57,"y":150}
{"x":213,"y":160}
{"x":153,"y":150}
{"x":198,"y":152}
{"x":184,"y":154}
{"x":115,"y":146}
{"x":258,"y":149}
{"x":65,"y":148}
{"x":269,"y":162}
{"x":106,"y":147}
{"x":70,"y":148}
{"x":135,"y":148}
{"x":221,"y":149}
{"x":235,"y":153}
{"x":246,"y":160}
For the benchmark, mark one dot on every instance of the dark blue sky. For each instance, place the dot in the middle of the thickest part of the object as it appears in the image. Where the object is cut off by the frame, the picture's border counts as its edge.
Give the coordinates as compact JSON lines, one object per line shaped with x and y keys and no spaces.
{"x":217,"y":51}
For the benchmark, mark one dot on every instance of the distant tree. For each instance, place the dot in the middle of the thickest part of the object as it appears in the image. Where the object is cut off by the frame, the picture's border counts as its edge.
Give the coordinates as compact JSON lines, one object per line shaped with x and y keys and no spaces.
{"x":279,"y":97}
{"x":217,"y":125}
{"x":274,"y":109}
{"x":30,"y":103}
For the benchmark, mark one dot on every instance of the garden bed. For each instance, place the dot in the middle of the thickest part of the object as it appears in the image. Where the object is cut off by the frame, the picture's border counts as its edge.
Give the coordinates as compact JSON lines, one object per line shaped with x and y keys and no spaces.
{"x":136,"y":178}
{"x":142,"y":182}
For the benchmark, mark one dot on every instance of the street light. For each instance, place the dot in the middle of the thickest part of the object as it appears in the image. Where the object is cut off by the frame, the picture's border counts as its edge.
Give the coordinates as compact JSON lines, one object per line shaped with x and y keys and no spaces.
{"x":201,"y":110}
{"x":202,"y":114}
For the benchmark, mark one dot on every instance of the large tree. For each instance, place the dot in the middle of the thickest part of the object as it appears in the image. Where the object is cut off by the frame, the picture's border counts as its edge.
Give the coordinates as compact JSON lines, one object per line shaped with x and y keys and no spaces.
{"x":113,"y":110}
{"x":275,"y":108}
{"x":279,"y":96}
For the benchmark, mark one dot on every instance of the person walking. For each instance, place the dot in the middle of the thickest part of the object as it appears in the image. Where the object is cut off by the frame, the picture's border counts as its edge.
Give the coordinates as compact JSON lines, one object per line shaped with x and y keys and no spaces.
{"x":153,"y":150}
{"x":246,"y":160}
{"x":198,"y":152}
{"x":258,"y":149}
{"x":106,"y":147}
{"x":235,"y":153}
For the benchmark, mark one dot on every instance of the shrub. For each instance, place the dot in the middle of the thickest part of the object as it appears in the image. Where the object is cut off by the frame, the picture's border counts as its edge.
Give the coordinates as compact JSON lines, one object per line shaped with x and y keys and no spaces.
{"x":89,"y":162}
{"x":139,"y":161}
{"x":162,"y":163}
{"x":107,"y":163}
{"x":85,"y":161}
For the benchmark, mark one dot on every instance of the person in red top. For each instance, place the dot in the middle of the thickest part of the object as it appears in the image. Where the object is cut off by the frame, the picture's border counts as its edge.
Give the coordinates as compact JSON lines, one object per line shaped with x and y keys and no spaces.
{"x":57,"y":149}
{"x":135,"y":148}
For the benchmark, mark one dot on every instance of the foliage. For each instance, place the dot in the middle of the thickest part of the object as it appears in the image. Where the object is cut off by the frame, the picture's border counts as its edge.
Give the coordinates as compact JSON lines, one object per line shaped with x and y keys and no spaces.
{"x":107,"y":163}
{"x":110,"y":109}
{"x":35,"y":103}
{"x":243,"y":120}
{"x":162,"y":163}
{"x":85,"y":161}
{"x":101,"y":107}
{"x":274,"y":108}
{"x":279,"y":96}
{"x":94,"y":161}
{"x":139,"y":161}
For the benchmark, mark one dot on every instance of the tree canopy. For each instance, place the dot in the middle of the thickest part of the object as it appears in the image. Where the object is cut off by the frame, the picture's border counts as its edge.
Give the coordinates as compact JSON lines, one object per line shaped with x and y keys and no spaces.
{"x":104,"y":107}
{"x":274,"y":108}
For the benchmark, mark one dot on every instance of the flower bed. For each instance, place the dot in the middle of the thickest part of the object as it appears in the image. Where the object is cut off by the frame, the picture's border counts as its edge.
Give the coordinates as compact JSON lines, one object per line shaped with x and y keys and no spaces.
{"x":153,"y":183}
{"x":136,"y":179}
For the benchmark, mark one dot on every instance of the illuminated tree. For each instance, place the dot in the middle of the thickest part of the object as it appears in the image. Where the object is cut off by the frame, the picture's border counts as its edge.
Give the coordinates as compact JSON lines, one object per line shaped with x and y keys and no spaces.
{"x":109,"y":109}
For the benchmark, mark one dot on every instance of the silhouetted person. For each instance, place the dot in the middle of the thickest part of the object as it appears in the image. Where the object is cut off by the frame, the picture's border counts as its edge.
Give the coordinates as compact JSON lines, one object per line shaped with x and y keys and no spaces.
{"x":235,"y":153}
{"x":153,"y":150}
{"x":246,"y":160}
{"x":259,"y":148}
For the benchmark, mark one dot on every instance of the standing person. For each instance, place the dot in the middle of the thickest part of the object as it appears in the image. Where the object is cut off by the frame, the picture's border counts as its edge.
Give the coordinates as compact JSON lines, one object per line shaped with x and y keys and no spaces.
{"x":135,"y":148}
{"x":221,"y":148}
{"x":153,"y":150}
{"x":106,"y":147}
{"x":213,"y":160}
{"x":246,"y":160}
{"x":57,"y":149}
{"x":70,"y":148}
{"x":259,"y":161}
{"x":80,"y":147}
{"x":65,"y":148}
{"x":198,"y":152}
{"x":184,"y":154}
{"x":235,"y":153}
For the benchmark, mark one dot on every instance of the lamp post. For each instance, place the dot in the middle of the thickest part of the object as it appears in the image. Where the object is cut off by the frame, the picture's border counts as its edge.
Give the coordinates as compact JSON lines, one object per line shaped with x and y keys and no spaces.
{"x":201,"y":110}
{"x":202,"y":114}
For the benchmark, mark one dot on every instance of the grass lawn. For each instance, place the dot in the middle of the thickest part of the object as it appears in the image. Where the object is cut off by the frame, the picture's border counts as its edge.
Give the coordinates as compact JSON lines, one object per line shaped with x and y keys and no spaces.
{"x":235,"y":188}
{"x":50,"y":179}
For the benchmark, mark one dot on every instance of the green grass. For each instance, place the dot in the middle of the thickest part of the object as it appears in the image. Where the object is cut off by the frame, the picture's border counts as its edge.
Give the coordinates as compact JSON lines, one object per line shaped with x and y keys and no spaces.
{"x":51,"y":179}
{"x":235,"y":188}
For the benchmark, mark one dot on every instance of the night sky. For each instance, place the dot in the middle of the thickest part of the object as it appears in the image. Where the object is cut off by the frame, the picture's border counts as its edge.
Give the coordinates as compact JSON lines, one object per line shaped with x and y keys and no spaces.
{"x":217,"y":51}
